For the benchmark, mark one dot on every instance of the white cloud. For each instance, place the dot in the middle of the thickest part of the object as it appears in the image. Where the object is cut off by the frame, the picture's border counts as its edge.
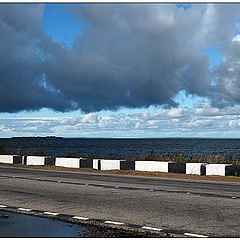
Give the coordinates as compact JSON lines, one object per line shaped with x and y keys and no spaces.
{"x":234,"y":123}
{"x":158,"y":123}
{"x":5,"y":129}
{"x":236,"y":38}
{"x":91,"y":118}
{"x":176,"y":112}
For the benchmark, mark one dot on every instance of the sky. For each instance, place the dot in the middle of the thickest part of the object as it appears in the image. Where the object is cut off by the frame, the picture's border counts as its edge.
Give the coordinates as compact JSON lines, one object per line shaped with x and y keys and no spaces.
{"x":120,"y":70}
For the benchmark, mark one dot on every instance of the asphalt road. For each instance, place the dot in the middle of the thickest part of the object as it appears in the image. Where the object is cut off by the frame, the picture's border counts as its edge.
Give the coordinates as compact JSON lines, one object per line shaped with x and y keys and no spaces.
{"x":200,"y":207}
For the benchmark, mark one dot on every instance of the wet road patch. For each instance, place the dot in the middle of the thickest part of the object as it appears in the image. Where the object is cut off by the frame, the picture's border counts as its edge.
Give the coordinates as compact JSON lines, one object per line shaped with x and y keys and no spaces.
{"x":19,"y":225}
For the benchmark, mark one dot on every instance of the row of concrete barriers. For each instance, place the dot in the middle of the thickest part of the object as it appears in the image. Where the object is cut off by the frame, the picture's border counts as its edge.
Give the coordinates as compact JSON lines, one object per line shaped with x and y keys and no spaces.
{"x":148,"y":166}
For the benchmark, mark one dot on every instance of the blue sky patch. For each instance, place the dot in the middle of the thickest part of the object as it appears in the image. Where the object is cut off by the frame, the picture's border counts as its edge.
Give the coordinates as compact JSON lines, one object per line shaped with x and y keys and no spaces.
{"x":60,"y":25}
{"x":215,"y":56}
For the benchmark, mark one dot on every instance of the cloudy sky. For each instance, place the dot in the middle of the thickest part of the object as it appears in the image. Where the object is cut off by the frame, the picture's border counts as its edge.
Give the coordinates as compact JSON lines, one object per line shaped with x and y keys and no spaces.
{"x":120,"y":70}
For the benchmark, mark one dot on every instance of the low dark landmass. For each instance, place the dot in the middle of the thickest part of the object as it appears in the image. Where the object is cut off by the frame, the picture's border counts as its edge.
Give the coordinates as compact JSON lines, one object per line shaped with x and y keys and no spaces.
{"x":51,"y":137}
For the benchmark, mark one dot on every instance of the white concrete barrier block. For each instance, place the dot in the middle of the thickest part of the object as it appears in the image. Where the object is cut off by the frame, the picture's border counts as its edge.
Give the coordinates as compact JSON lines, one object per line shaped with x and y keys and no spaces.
{"x":221,"y":169}
{"x":67,"y":162}
{"x":158,"y":166}
{"x":103,"y":164}
{"x":35,"y":160}
{"x":151,"y":166}
{"x":6,"y":159}
{"x":96,"y":164}
{"x":196,"y":168}
{"x":111,"y":164}
{"x":11,"y":159}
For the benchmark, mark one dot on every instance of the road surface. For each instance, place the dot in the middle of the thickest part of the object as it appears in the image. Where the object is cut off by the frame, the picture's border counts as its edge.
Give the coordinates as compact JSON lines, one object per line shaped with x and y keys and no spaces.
{"x":199,"y":207}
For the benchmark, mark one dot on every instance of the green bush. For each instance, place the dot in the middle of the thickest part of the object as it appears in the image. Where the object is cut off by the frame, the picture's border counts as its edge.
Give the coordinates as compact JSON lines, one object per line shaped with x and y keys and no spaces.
{"x":211,"y":158}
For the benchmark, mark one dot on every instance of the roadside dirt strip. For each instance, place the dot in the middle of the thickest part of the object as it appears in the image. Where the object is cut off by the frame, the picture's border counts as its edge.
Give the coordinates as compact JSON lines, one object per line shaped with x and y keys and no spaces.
{"x":131,"y":173}
{"x":131,"y":229}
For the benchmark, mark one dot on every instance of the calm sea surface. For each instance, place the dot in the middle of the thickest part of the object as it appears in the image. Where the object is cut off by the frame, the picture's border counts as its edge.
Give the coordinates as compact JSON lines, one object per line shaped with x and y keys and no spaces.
{"x":121,"y":148}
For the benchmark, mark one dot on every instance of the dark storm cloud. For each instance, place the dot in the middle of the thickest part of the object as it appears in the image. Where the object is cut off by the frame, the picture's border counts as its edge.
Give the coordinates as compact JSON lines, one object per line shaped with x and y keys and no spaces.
{"x":225,"y":23}
{"x":128,"y":55}
{"x":21,"y":69}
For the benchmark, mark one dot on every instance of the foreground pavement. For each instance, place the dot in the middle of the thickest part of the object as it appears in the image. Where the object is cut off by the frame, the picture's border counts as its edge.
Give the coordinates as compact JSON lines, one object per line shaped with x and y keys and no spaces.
{"x":177,"y":206}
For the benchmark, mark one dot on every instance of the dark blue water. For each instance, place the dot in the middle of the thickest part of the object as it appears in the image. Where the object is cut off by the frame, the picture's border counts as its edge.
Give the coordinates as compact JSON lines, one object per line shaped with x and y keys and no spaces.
{"x":121,"y":148}
{"x":22,"y":226}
